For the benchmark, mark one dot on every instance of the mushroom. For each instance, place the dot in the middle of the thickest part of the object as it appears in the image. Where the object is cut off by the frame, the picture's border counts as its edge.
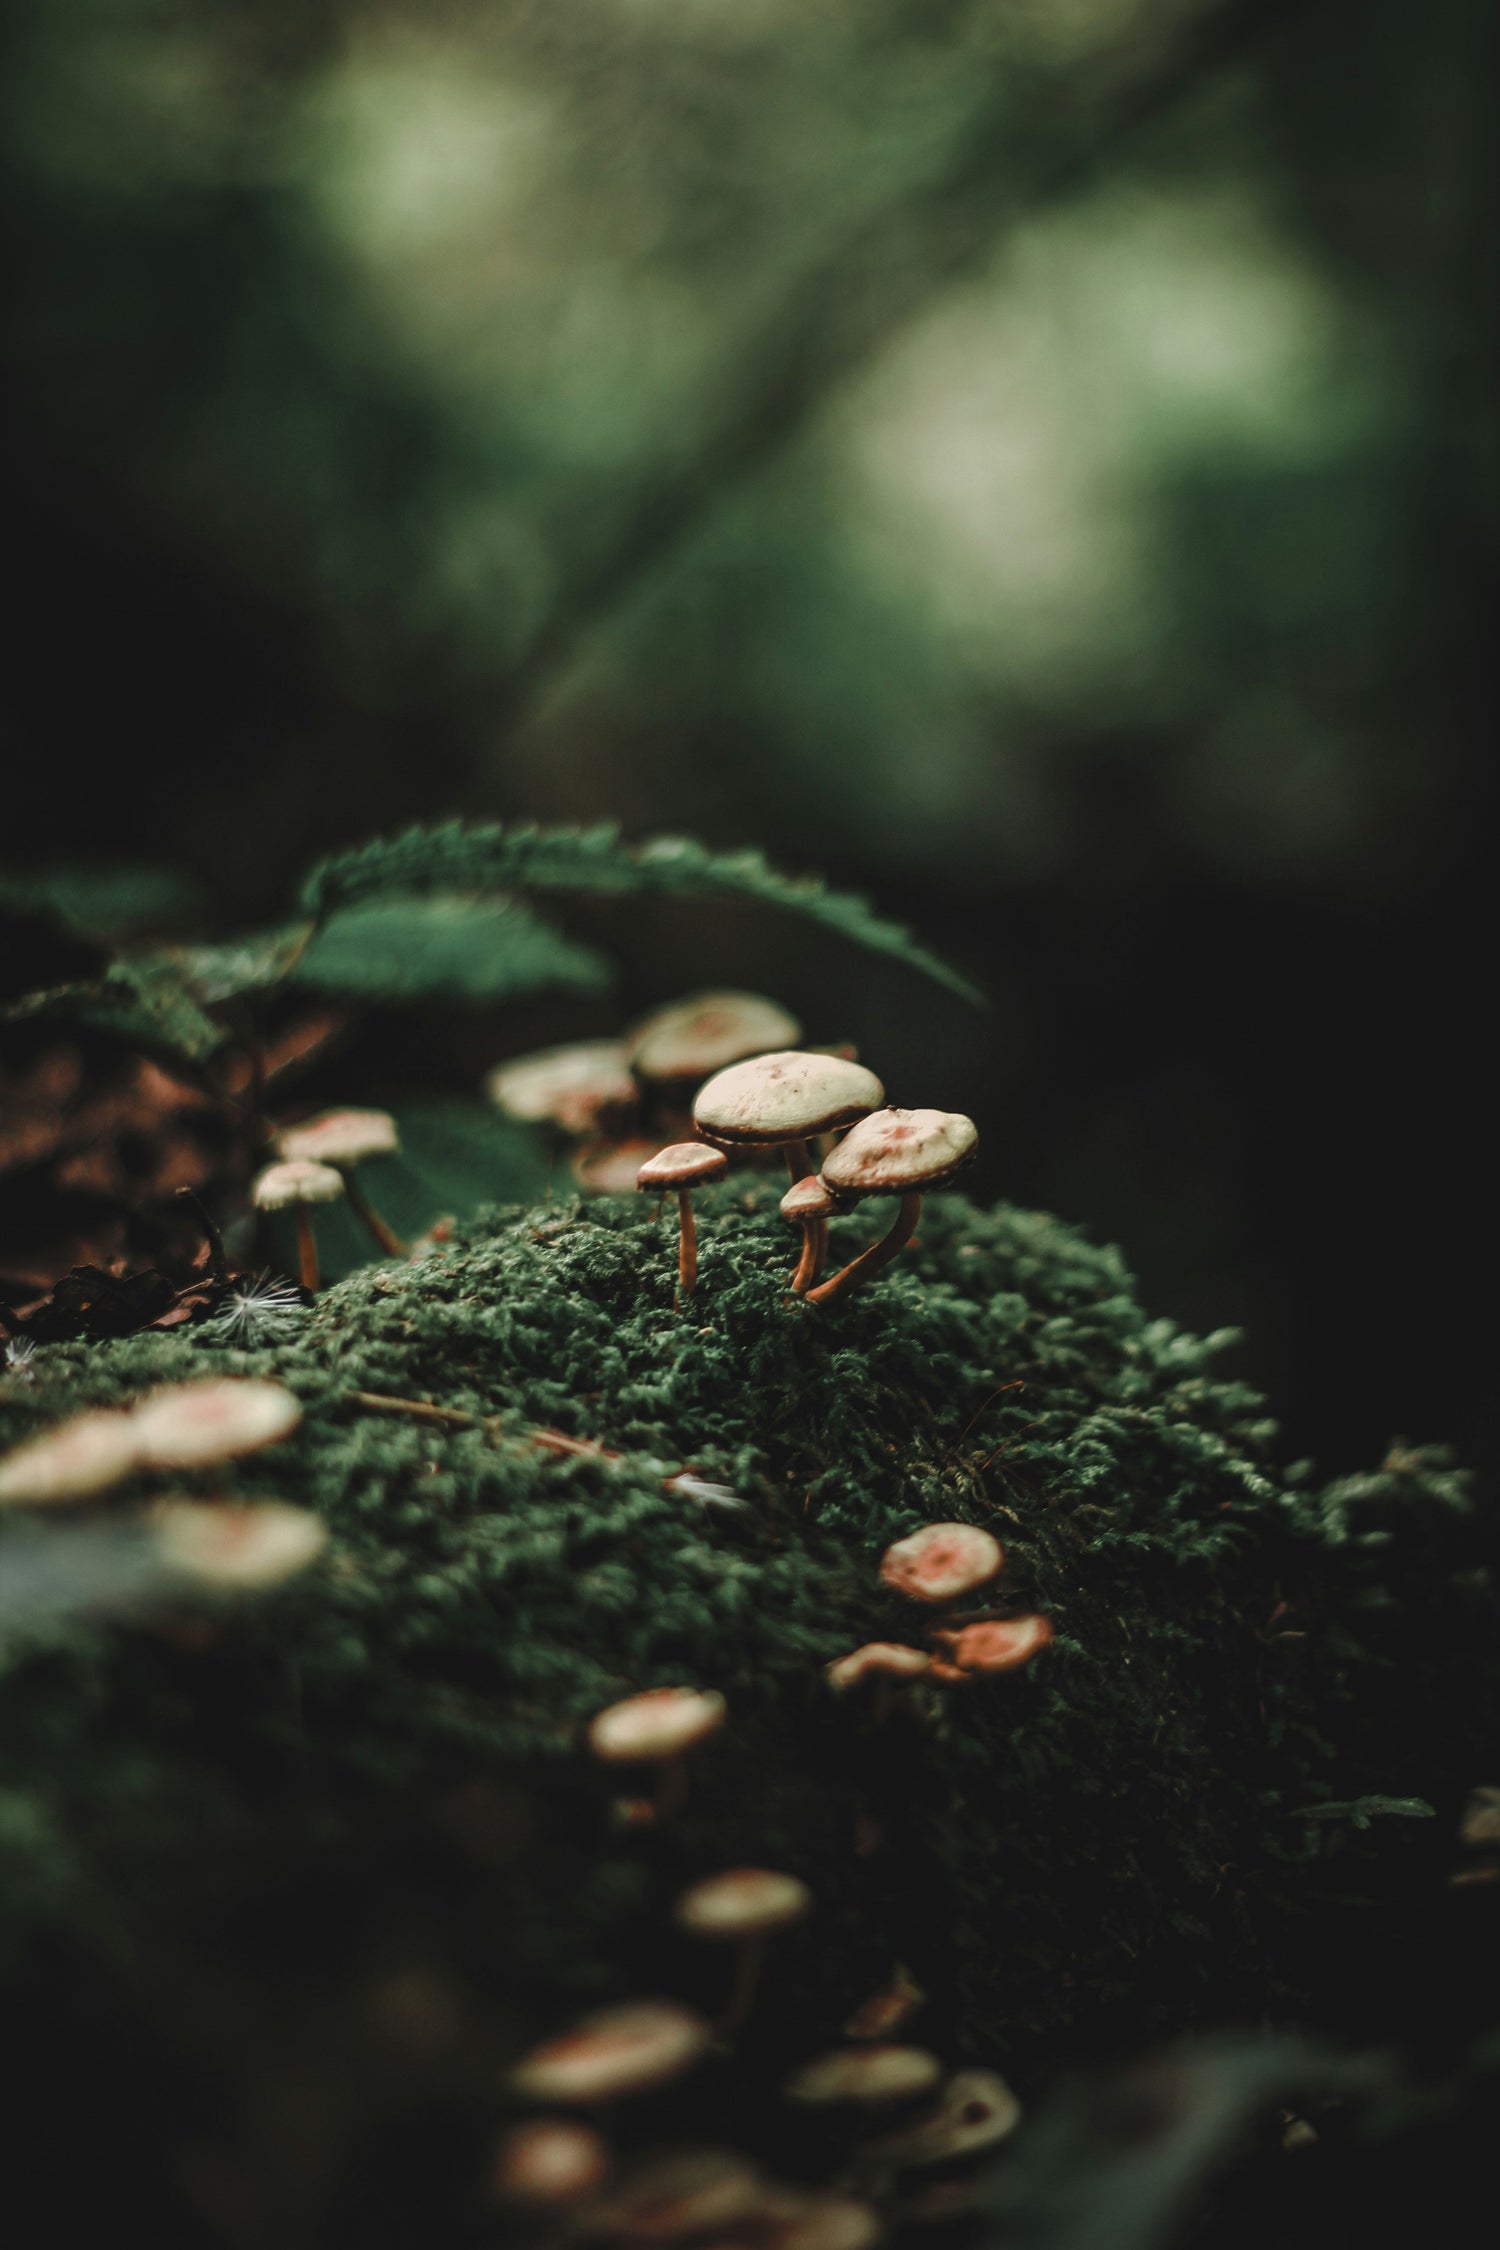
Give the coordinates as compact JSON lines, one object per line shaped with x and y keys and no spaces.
{"x":780,"y":1100}
{"x":585,"y":1088}
{"x":865,"y":2074}
{"x":73,"y":1461}
{"x":655,"y":1728}
{"x":680,"y":2195}
{"x":297,"y":1186}
{"x":695,"y":1037}
{"x":828,"y":2222}
{"x":613,"y":1167}
{"x":997,"y":1644}
{"x":894,"y":1152}
{"x":1479,"y":1823}
{"x":684,"y":1165}
{"x":809,"y":1203}
{"x":187,"y":1425}
{"x":886,"y":2011}
{"x":941,"y":1561}
{"x":344,"y":1138}
{"x":888,"y":1660}
{"x":238,"y":1548}
{"x":976,"y":2109}
{"x":623,"y":2050}
{"x":550,"y":2160}
{"x":744,"y":1904}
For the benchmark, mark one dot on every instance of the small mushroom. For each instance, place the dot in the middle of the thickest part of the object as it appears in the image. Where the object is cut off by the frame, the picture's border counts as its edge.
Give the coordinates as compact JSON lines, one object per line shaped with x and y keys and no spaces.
{"x":655,"y":1728}
{"x":976,"y":2109}
{"x":1479,"y":1823}
{"x":344,"y":1138}
{"x":240,"y":1549}
{"x":744,"y":1904}
{"x":828,"y":2222}
{"x":886,"y":2011}
{"x":781,"y":1100}
{"x":584,"y":1088}
{"x":188,"y":1425}
{"x":624,"y":2050}
{"x":684,"y":1165}
{"x":680,"y":2195}
{"x":612,"y":1167}
{"x":880,"y":1660}
{"x":865,"y":2074}
{"x":941,"y":1561}
{"x":73,"y":1461}
{"x":894,"y":1152}
{"x":296,"y":1187}
{"x":809,"y":1204}
{"x":998,"y":1644}
{"x":692,"y":1038}
{"x":549,"y":2160}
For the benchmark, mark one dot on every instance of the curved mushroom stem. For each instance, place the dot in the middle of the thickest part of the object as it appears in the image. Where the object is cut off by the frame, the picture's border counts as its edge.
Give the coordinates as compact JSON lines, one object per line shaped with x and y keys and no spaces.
{"x":749,"y":1954}
{"x":307,"y":1249}
{"x":798,"y":1162}
{"x":687,"y":1246}
{"x":870,"y":1261}
{"x":814,"y":1251}
{"x":385,"y":1238}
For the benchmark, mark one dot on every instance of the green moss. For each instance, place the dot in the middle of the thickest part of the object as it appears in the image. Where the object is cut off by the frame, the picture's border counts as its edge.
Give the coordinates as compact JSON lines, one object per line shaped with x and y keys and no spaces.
{"x":238,"y":1826}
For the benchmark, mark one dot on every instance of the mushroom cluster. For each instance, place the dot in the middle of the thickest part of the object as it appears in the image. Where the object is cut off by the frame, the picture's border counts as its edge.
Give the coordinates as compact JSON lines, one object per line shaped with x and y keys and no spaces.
{"x":937,"y":1567}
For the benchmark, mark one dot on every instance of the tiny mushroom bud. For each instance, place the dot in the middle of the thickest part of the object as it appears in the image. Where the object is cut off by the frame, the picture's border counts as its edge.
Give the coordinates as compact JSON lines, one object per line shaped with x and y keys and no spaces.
{"x":880,"y":1660}
{"x":238,"y":1548}
{"x":894,"y":1152}
{"x":976,"y":2109}
{"x":865,"y":2074}
{"x":695,"y":1037}
{"x":998,"y":1644}
{"x":744,"y":1904}
{"x":187,"y":1425}
{"x":551,"y":2160}
{"x":684,"y":1165}
{"x":344,"y":1138}
{"x":941,"y":1561}
{"x":781,"y":1100}
{"x":585,"y":1088}
{"x":283,"y":1187}
{"x":679,"y":2196}
{"x":624,"y":2050}
{"x":809,"y":1204}
{"x":655,"y":1728}
{"x":74,"y":1461}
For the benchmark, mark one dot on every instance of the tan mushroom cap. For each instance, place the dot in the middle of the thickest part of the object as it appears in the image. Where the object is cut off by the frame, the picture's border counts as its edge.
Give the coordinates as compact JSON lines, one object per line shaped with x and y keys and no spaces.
{"x":809,"y":1199}
{"x":549,"y":2160}
{"x":340,"y":1136}
{"x":829,"y":2222}
{"x":250,"y":1547}
{"x":897,"y":1151}
{"x":977,"y":2109}
{"x":72,"y":1461}
{"x":184,"y":1425}
{"x":681,"y":2195}
{"x":567,"y":1086}
{"x":621,"y":2051}
{"x":683,"y":1164}
{"x":773,"y":1099}
{"x":742,"y":1902}
{"x":883,"y":1659}
{"x":657,"y":1724}
{"x":280,"y":1186}
{"x":941,"y":1561}
{"x":1479,"y":1823}
{"x":996,"y":1645}
{"x":613,"y":1167}
{"x":706,"y":1032}
{"x":865,"y":2074}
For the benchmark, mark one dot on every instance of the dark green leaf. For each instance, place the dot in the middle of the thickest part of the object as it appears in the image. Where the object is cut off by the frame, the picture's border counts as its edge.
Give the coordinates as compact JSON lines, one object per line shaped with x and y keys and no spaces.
{"x":146,"y":1003}
{"x":408,"y":945}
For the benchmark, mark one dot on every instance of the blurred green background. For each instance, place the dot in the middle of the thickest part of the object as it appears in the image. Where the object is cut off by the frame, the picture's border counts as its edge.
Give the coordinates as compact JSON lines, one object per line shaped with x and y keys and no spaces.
{"x":1032,"y":460}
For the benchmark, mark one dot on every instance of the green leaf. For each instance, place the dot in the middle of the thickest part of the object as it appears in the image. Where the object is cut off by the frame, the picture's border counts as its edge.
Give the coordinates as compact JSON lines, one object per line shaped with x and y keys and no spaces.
{"x":106,"y":901}
{"x":408,"y":945}
{"x":146,"y":1003}
{"x":489,"y":858}
{"x":1360,"y":1811}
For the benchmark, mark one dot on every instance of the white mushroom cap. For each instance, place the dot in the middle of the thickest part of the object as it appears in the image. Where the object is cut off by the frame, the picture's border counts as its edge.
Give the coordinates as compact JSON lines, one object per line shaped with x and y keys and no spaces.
{"x":810,"y":1198}
{"x":998,"y":1644}
{"x":707,"y":1031}
{"x":239,"y":1547}
{"x":829,"y":2222}
{"x":683,"y":1164}
{"x":865,"y":2074}
{"x":897,"y":1151}
{"x":613,"y":1167}
{"x":681,"y":2195}
{"x":977,"y":2108}
{"x":280,"y":1186}
{"x":660,"y":1723}
{"x":340,"y":1136}
{"x":73,"y":1461}
{"x":941,"y":1561}
{"x":567,"y":1086}
{"x":549,"y":2160}
{"x":184,"y":1425}
{"x":623,"y":2051}
{"x":784,"y":1097}
{"x":742,"y":1902}
{"x":887,"y":1658}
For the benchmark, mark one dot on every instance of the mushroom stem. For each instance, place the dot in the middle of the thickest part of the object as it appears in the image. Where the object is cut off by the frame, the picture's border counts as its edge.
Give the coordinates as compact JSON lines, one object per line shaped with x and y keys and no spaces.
{"x":798,"y":1162}
{"x":870,"y":1261}
{"x":307,"y":1249}
{"x":749,"y":1954}
{"x":385,"y":1238}
{"x":814,"y":1251}
{"x":687,"y":1247}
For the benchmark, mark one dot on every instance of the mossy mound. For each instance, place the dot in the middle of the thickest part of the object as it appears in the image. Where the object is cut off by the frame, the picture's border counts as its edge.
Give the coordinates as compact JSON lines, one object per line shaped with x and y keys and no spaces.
{"x":289,"y":1882}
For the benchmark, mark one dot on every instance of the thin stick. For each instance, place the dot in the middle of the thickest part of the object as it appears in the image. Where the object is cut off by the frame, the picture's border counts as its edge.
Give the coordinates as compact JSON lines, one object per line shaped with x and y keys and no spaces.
{"x":384,"y":1237}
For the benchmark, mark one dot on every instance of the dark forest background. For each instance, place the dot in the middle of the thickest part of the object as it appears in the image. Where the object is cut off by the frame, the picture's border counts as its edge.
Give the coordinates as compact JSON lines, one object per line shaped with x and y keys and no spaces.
{"x":1031,"y":460}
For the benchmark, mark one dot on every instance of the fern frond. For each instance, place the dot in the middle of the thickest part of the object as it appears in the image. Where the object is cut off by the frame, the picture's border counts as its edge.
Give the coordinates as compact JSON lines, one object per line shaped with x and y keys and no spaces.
{"x":404,"y":945}
{"x":145,"y":1002}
